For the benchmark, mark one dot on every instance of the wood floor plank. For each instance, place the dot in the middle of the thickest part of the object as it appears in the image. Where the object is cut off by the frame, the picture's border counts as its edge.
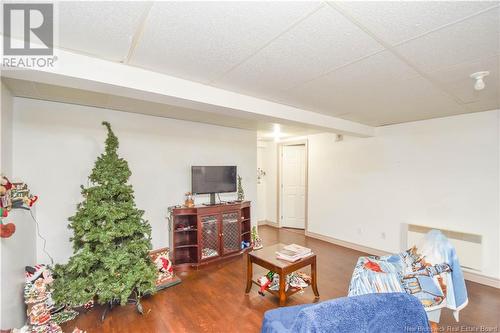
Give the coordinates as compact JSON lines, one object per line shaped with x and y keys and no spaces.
{"x":214,"y":300}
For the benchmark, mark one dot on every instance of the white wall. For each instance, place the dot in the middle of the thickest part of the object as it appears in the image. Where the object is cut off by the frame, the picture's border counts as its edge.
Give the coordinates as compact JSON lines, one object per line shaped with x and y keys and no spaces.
{"x":440,"y":173}
{"x":6,"y":132}
{"x":56,"y":145}
{"x":17,"y":251}
{"x":269,"y":155}
{"x":261,"y":186}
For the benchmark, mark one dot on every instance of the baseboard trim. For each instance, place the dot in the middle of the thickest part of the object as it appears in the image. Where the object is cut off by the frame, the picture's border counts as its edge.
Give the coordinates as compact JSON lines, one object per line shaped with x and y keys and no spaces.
{"x":482,"y":279}
{"x":470,"y":276}
{"x":269,"y":223}
{"x":349,"y":245}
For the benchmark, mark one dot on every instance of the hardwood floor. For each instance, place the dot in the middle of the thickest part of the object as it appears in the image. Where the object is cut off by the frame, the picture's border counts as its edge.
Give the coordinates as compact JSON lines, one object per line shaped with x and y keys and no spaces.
{"x":214,"y":300}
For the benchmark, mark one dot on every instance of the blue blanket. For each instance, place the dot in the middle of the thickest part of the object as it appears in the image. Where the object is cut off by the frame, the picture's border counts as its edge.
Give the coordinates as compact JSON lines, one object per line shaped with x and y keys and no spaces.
{"x":391,"y":312}
{"x":431,"y":273}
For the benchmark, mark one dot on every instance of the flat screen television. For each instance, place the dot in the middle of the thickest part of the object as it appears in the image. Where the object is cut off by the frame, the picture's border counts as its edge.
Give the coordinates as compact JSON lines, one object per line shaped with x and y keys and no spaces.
{"x":213,"y":179}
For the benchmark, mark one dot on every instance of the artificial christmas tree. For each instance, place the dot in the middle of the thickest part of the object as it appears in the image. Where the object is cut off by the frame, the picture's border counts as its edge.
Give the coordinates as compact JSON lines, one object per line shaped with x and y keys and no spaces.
{"x":111,"y":240}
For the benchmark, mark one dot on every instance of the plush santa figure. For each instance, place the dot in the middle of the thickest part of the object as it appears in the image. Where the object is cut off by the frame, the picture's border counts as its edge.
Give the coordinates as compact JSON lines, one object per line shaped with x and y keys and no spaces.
{"x":5,"y":187}
{"x":8,"y":229}
{"x":164,"y":265}
{"x":265,"y":282}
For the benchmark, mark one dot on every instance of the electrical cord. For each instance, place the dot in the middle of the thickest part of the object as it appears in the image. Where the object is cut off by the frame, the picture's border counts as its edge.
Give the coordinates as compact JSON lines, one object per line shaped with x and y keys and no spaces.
{"x":220,"y":201}
{"x":44,"y":240}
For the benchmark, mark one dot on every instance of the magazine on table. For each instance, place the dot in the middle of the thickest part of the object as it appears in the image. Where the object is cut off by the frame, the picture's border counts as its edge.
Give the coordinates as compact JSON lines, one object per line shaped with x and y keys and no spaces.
{"x":293,"y":252}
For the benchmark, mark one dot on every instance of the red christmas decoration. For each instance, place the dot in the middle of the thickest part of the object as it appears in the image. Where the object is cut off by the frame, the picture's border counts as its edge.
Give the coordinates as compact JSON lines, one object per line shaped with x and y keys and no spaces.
{"x":7,"y":230}
{"x":12,"y":196}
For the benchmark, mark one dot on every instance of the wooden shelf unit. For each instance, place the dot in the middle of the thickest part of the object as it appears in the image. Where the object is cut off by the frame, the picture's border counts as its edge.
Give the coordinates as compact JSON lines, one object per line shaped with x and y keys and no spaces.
{"x":207,"y":234}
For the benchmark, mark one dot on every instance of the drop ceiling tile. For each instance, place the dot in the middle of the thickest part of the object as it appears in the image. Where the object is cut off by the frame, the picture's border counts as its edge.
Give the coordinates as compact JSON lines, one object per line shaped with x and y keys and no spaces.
{"x":396,"y":21}
{"x":403,"y":101}
{"x":321,"y":43}
{"x":201,"y":40}
{"x":351,"y":82}
{"x":457,"y":80}
{"x":475,"y":38}
{"x":376,"y":91}
{"x":103,"y":29}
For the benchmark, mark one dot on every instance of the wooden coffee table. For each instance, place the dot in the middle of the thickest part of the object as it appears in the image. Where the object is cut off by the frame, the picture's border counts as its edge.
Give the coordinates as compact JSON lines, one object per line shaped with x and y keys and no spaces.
{"x":266,"y":257}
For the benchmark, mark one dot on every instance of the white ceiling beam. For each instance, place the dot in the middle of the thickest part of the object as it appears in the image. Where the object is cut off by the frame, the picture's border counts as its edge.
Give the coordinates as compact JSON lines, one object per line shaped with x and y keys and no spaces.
{"x":93,"y":74}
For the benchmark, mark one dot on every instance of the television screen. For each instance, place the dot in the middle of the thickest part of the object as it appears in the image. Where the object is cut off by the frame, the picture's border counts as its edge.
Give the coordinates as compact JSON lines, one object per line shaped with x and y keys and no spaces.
{"x":213,"y":179}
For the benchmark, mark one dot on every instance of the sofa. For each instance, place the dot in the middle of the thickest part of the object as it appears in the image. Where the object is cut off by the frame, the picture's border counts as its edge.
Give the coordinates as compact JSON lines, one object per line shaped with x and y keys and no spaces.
{"x":384,"y":312}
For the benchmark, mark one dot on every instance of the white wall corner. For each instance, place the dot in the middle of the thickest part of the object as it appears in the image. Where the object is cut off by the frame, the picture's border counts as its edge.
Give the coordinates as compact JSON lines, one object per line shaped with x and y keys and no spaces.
{"x":6,"y":123}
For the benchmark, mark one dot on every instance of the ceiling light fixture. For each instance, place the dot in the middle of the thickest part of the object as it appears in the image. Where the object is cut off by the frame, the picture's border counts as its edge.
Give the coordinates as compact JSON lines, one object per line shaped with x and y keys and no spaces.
{"x":478,"y":76}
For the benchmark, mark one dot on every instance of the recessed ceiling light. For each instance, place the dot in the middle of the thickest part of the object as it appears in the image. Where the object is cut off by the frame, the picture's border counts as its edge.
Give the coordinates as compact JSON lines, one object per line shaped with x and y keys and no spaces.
{"x":478,"y":76}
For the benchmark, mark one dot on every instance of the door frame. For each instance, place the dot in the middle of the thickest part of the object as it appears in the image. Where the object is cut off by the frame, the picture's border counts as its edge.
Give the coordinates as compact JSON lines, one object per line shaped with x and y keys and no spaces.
{"x":279,"y":184}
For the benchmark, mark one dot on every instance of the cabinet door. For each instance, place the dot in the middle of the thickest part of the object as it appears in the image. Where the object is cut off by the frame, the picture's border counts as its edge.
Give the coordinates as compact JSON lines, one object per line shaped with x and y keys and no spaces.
{"x":230,"y":232}
{"x":209,"y":236}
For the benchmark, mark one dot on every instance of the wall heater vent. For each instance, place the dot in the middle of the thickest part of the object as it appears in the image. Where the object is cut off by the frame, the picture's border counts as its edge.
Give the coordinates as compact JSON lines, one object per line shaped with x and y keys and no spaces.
{"x":468,"y":246}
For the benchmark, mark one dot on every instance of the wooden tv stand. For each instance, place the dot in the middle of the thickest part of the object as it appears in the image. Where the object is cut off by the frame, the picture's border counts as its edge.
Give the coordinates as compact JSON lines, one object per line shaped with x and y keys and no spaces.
{"x":208,"y":234}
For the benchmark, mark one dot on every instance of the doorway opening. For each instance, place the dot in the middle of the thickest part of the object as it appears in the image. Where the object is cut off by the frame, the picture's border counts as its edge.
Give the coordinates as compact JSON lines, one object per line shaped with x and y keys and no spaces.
{"x":292,"y":187}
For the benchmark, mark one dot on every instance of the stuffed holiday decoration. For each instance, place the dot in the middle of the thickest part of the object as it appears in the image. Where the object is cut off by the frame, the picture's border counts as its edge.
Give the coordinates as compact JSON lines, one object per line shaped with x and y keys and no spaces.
{"x":111,"y":240}
{"x":37,"y":297}
{"x":12,"y":195}
{"x":7,"y":230}
{"x":31,"y":200}
{"x":165,"y":270}
{"x":265,"y":282}
{"x":6,"y":184}
{"x":164,"y":265}
{"x":296,"y":280}
{"x":3,"y":212}
{"x":21,"y":196}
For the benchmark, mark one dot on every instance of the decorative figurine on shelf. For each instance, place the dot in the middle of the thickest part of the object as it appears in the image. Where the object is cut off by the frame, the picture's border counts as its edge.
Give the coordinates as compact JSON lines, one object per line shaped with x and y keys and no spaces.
{"x":256,"y":240}
{"x":241,"y":193}
{"x":189,"y":201}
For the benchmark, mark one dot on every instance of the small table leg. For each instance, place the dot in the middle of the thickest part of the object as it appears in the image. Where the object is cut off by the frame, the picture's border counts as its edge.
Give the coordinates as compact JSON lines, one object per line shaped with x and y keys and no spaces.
{"x":314,"y":278}
{"x":249,"y":274}
{"x":282,"y":292}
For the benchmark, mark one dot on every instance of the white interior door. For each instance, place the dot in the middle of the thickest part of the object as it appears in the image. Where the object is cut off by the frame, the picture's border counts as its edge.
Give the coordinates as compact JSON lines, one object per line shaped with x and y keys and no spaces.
{"x":293,"y":186}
